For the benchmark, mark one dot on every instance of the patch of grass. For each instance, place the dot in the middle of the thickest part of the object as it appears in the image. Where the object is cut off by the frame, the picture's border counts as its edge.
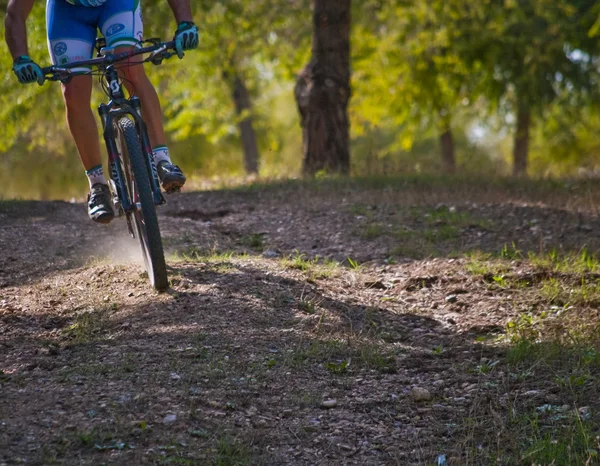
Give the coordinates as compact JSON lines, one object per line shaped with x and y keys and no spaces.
{"x":445,"y":215}
{"x":371,"y":231}
{"x":194,"y":254}
{"x":500,"y":280}
{"x":298,"y":261}
{"x":559,"y":293}
{"x":255,"y":241}
{"x":326,"y":268}
{"x":550,"y":352}
{"x":560,"y":439}
{"x":307,"y":306}
{"x":554,"y":338}
{"x":511,"y":252}
{"x":359,"y":209}
{"x":441,"y":233}
{"x":338,"y":356}
{"x":316,"y":268}
{"x":479,"y":264}
{"x":354,"y":265}
{"x":337,"y":367}
{"x":87,"y":326}
{"x":231,"y":451}
{"x":582,"y":262}
{"x":404,"y":234}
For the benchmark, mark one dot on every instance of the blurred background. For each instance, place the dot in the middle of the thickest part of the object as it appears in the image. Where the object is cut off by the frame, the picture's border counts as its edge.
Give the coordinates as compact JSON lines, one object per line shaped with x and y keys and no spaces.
{"x":438,"y":86}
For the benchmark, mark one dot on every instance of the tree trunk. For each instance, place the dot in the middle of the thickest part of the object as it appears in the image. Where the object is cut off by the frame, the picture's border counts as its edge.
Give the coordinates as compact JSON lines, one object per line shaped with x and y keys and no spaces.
{"x":447,"y":146}
{"x":521,"y":146}
{"x":241,"y":98}
{"x":323,"y":91}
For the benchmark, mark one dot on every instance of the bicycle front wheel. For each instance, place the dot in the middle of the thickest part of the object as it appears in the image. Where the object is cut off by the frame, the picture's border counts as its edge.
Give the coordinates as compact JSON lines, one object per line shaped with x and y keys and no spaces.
{"x":144,"y":215}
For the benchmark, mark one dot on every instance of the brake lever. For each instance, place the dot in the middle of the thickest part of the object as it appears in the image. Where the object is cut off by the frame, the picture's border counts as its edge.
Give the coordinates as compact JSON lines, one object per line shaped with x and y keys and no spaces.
{"x":63,"y":75}
{"x":157,"y":57}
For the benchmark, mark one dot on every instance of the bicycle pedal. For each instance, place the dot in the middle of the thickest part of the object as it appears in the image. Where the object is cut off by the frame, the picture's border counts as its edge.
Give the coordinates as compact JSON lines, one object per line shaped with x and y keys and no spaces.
{"x":173,"y":190}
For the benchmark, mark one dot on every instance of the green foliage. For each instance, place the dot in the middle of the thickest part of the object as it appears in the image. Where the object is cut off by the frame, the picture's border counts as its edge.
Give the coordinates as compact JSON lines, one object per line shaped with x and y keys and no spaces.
{"x":419,"y":68}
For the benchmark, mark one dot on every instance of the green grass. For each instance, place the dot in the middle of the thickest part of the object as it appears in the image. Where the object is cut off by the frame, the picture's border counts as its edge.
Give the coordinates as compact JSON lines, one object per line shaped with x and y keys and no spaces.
{"x":359,"y":209}
{"x":371,"y":231}
{"x":87,"y":326}
{"x":255,"y":241}
{"x":340,"y":357}
{"x":559,"y":293}
{"x":231,"y":451}
{"x":307,"y":306}
{"x":194,"y":254}
{"x":554,"y":437}
{"x":315,"y":268}
{"x":582,"y":262}
{"x":441,"y":233}
{"x":481,"y":264}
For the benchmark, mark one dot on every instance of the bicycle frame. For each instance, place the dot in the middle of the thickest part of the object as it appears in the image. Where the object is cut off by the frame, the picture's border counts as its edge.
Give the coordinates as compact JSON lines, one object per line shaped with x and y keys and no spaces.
{"x":110,"y":113}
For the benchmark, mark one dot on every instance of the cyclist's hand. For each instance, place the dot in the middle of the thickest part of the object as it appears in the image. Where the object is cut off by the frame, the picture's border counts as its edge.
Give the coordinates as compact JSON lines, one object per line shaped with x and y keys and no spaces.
{"x":28,"y":71}
{"x":186,"y":37}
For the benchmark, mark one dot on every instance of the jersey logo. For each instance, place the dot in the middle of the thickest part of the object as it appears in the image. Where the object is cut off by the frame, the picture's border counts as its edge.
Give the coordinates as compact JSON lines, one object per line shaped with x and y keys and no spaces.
{"x":60,"y":48}
{"x":112,"y":30}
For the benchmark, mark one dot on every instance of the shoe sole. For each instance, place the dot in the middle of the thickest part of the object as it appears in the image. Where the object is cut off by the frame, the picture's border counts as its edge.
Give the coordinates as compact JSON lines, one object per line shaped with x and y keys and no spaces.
{"x":103,"y":219}
{"x":173,"y":186}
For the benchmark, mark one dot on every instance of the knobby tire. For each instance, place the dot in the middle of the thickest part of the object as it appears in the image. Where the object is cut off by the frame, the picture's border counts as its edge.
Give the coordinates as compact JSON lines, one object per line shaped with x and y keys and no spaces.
{"x":144,"y":217}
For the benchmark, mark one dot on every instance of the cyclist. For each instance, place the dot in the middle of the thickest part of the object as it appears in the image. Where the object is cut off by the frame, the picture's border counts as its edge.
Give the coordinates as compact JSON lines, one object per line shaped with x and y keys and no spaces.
{"x":72,"y":27}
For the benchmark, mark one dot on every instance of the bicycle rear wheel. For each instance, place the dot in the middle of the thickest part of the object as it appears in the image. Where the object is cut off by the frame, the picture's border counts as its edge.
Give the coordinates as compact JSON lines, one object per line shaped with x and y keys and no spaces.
{"x":144,"y":216}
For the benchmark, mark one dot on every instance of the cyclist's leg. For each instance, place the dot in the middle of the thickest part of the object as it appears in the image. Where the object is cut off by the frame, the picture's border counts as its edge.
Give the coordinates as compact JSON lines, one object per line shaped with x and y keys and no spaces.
{"x":71,"y":35}
{"x":121,"y":24}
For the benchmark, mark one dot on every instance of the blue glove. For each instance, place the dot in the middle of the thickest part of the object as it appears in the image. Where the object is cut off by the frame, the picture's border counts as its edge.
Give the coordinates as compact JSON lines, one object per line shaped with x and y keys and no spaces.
{"x":186,"y":37}
{"x":28,"y":71}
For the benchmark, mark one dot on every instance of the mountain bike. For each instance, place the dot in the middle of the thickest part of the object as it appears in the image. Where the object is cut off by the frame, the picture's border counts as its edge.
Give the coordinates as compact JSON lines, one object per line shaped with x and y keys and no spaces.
{"x":133,"y":182}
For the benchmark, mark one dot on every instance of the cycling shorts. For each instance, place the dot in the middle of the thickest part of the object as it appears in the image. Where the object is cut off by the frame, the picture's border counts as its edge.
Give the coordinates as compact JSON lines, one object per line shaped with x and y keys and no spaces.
{"x":72,"y":29}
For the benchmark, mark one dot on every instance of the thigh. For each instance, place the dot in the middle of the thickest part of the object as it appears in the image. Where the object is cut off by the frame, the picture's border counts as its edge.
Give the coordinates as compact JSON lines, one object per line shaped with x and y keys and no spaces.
{"x":121,"y":23}
{"x":71,"y":32}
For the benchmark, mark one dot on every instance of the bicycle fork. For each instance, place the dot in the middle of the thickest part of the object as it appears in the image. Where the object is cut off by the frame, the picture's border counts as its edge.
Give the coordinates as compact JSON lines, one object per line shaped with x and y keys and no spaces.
{"x":123,"y":203}
{"x":142,"y":130}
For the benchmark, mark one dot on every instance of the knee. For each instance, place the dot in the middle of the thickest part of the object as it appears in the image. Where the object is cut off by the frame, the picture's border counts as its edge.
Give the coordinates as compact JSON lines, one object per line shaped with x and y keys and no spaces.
{"x":77,"y":95}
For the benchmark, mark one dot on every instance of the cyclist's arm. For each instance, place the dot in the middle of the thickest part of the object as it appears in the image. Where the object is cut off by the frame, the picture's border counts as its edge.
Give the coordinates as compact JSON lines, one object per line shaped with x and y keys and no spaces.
{"x":181,"y":9}
{"x":15,"y":31}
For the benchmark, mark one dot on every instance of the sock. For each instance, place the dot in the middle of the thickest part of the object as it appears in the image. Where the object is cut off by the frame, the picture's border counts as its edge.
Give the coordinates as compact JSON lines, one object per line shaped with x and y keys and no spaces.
{"x":161,"y":153}
{"x":96,"y":175}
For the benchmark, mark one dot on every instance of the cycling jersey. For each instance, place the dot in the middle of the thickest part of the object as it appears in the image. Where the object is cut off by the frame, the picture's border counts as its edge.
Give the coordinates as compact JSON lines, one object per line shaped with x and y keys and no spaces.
{"x":72,"y":29}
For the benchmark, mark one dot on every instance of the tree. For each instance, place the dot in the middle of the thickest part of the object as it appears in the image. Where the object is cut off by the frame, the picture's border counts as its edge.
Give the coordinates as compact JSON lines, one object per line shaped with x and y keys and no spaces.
{"x":411,"y":65}
{"x":525,"y":48}
{"x":323,"y":91}
{"x":243,"y":44}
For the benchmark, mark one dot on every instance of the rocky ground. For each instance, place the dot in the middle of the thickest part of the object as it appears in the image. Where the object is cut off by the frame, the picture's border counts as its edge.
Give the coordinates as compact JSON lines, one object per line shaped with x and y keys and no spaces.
{"x":369,"y":323}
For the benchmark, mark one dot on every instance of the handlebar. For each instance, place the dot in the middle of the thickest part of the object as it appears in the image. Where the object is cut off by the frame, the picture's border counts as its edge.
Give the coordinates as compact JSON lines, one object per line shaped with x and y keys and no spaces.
{"x":158,"y":52}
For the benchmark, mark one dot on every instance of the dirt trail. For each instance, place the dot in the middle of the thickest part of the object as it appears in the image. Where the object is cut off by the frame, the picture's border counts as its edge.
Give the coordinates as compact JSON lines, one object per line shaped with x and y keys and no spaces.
{"x":268,"y":357}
